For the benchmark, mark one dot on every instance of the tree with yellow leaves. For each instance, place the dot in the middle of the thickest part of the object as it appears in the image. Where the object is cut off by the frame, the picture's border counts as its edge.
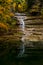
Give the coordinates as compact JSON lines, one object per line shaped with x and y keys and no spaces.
{"x":22,"y":6}
{"x":6,"y":15}
{"x":6,"y":11}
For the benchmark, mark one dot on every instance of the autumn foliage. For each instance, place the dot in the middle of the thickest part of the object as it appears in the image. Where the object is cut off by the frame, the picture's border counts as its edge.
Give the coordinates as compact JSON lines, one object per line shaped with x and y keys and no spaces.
{"x":2,"y":25}
{"x":3,"y":28}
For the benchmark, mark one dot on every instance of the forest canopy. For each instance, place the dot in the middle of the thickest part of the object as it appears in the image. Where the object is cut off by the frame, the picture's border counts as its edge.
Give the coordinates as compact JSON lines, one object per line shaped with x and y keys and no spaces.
{"x":9,"y":7}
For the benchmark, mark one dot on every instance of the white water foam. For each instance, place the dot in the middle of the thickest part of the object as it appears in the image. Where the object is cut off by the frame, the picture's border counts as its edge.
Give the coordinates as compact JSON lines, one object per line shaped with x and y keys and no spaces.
{"x":22,"y":26}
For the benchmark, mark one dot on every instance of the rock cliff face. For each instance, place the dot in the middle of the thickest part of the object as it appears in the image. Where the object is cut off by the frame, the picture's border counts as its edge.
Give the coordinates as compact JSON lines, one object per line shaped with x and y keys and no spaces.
{"x":30,"y":27}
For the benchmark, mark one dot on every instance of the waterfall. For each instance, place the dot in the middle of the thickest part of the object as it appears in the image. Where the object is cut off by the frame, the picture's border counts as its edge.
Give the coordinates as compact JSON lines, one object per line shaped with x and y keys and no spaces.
{"x":22,"y":26}
{"x":22,"y":47}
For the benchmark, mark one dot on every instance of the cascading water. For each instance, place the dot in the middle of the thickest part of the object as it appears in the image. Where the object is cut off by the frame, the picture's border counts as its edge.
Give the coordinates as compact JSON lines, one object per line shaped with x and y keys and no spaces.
{"x":22,"y":26}
{"x":22,"y":47}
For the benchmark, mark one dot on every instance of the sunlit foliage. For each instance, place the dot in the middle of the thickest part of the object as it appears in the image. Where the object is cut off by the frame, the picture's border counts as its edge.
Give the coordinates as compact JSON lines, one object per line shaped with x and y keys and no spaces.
{"x":6,"y":14}
{"x":3,"y":28}
{"x":20,"y":5}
